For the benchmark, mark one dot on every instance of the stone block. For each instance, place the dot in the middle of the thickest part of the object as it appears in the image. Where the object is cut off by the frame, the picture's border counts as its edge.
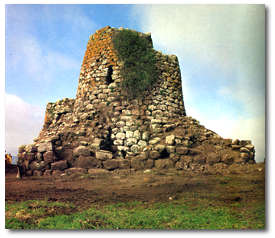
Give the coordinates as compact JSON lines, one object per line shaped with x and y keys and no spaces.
{"x":103,"y":155}
{"x":135,"y":148}
{"x":244,"y":149}
{"x":181,"y":150}
{"x":31,"y":148}
{"x":164,"y":164}
{"x":145,"y":135}
{"x":131,"y":141}
{"x":160,"y":148}
{"x":170,"y":140}
{"x":30,"y":156}
{"x":37,"y":165}
{"x":87,"y":162}
{"x":154,"y":141}
{"x":81,"y":150}
{"x":148,"y":164}
{"x":37,"y":173}
{"x":66,"y":154}
{"x":59,"y":165}
{"x":227,"y":158}
{"x":76,"y":171}
{"x":142,"y":155}
{"x":250,"y":147}
{"x":46,"y":146}
{"x":111,"y":164}
{"x":96,"y":144}
{"x":49,"y":157}
{"x":137,"y":135}
{"x":98,"y":172}
{"x":21,"y":148}
{"x":47,"y":172}
{"x":199,"y":159}
{"x":154,"y":154}
{"x":120,"y":136}
{"x":123,"y":164}
{"x":137,"y":164}
{"x":235,"y":147}
{"x":213,"y":158}
{"x":142,"y":143}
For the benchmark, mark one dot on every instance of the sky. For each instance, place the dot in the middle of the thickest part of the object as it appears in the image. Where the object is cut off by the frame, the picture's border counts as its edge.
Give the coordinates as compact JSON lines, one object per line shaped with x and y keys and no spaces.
{"x":221,"y":51}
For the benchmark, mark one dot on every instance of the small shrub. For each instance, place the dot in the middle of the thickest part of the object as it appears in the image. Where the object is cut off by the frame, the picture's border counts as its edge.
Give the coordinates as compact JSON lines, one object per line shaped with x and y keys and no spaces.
{"x":139,"y":70}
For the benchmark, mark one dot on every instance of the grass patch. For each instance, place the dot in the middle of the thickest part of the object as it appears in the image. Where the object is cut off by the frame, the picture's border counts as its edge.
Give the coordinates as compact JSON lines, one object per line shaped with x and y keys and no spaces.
{"x":139,"y":70}
{"x":178,"y":214}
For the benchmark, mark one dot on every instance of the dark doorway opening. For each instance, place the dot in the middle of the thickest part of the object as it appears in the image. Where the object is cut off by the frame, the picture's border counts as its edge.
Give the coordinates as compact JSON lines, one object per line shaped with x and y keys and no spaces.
{"x":109,"y":75}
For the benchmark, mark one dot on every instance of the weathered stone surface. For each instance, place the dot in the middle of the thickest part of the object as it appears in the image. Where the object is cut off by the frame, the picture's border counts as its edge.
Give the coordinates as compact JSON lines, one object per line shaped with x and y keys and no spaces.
{"x":154,"y":154}
{"x":75,"y":171}
{"x":149,"y":164}
{"x":37,"y":165}
{"x":120,"y":136}
{"x":47,"y":146}
{"x":81,"y":150}
{"x":135,"y":148}
{"x":31,"y":148}
{"x":170,"y":140}
{"x":131,"y":141}
{"x":37,"y":173}
{"x":145,"y":135}
{"x":199,"y":159}
{"x":96,"y":144}
{"x":59,"y":165}
{"x":227,"y":158}
{"x":137,"y":135}
{"x":103,"y":155}
{"x":245,"y":156}
{"x":30,"y":156}
{"x":137,"y":164}
{"x":164,"y":164}
{"x":181,"y":150}
{"x":123,"y":164}
{"x":57,"y":173}
{"x":249,"y":147}
{"x":21,"y":148}
{"x":111,"y":164}
{"x":98,"y":172}
{"x":154,"y":141}
{"x":160,"y":148}
{"x":66,"y":154}
{"x":87,"y":162}
{"x":103,"y":122}
{"x":236,"y":147}
{"x":142,"y":155}
{"x":244,"y":149}
{"x":213,"y":158}
{"x":236,"y":142}
{"x":47,"y":172}
{"x":49,"y":157}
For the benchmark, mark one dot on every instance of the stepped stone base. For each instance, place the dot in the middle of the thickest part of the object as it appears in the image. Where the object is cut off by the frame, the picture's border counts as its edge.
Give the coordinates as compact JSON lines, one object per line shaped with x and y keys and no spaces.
{"x":101,"y":129}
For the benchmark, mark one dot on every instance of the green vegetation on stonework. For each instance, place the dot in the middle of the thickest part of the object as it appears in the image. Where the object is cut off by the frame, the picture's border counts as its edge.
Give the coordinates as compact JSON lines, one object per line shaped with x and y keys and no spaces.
{"x":139,"y":70}
{"x":180,"y":214}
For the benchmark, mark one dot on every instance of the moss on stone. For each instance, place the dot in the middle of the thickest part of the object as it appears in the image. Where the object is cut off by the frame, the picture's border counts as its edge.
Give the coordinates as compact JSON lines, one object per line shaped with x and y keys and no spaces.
{"x":139,"y":70}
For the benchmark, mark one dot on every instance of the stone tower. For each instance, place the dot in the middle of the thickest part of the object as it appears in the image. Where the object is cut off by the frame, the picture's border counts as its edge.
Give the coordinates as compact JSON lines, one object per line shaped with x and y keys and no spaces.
{"x":103,"y":128}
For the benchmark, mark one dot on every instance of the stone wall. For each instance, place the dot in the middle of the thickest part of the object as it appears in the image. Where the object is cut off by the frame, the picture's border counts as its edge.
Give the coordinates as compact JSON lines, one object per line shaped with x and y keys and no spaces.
{"x":102,"y":128}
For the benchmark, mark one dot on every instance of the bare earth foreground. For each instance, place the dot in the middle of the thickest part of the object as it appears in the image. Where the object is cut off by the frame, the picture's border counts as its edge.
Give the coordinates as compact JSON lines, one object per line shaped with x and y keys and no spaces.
{"x":239,"y":187}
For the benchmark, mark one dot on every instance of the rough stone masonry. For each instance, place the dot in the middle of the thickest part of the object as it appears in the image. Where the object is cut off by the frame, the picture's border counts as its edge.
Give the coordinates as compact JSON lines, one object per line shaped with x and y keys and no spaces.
{"x":101,"y":129}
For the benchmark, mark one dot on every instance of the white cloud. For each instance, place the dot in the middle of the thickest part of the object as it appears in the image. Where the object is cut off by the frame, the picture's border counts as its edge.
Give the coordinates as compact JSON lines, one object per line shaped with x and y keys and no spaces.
{"x":23,"y":122}
{"x":229,"y":42}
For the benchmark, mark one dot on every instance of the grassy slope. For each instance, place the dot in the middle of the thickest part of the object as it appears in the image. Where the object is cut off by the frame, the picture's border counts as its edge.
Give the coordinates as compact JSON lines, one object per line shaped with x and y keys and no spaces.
{"x":176,"y":214}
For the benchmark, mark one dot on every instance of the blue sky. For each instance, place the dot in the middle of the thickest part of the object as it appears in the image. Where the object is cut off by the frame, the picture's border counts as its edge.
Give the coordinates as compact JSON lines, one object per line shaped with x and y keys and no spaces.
{"x":221,"y":51}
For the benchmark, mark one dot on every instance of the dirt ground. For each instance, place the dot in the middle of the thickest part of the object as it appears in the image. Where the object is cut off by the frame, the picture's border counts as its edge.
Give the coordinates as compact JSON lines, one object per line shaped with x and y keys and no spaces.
{"x":146,"y":186}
